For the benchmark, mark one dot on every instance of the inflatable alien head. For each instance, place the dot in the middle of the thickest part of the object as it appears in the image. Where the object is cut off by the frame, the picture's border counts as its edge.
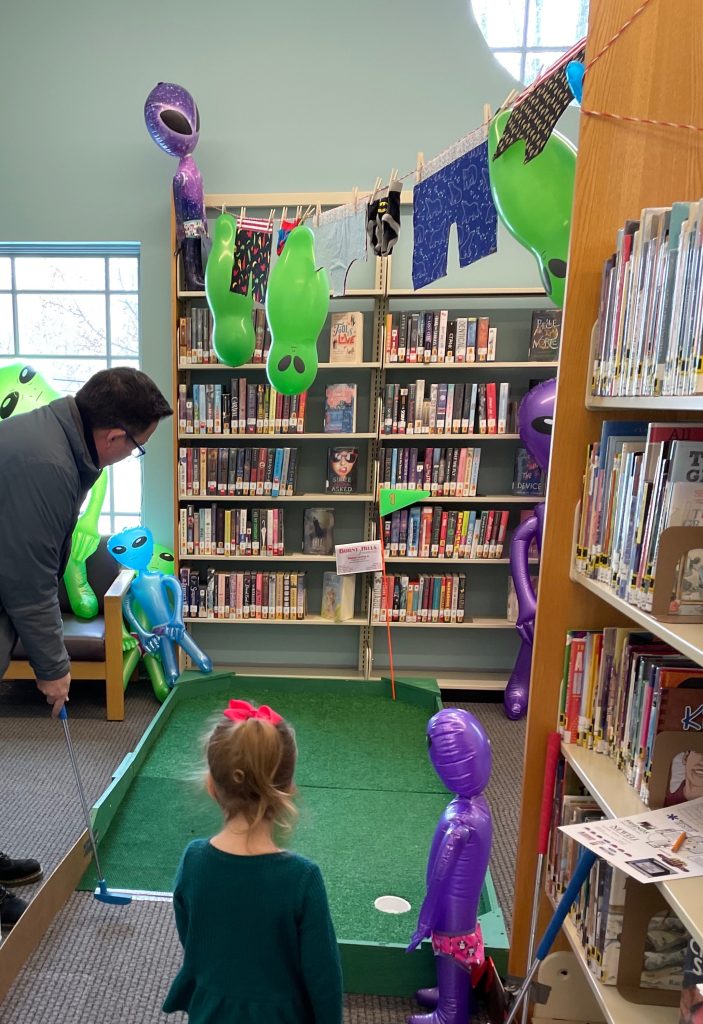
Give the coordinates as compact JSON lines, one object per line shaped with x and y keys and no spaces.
{"x":460,"y":751}
{"x":162,"y":561}
{"x":535,"y":420}
{"x":23,"y":389}
{"x":172,"y":119}
{"x":132,"y":548}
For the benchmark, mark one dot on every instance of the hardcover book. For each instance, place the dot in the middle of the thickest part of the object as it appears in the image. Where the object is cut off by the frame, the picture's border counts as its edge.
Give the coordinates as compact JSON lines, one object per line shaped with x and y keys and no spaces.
{"x":545,"y":336}
{"x":340,"y":408}
{"x":318,"y":531}
{"x":346,"y":337}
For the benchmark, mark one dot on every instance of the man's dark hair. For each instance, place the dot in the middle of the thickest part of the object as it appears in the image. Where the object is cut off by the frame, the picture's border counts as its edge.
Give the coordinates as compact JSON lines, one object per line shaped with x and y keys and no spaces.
{"x":121,"y":397}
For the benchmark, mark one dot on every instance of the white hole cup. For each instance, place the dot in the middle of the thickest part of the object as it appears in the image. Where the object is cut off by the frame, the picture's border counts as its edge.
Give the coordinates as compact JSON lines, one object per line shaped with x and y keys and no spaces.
{"x":392,"y":905}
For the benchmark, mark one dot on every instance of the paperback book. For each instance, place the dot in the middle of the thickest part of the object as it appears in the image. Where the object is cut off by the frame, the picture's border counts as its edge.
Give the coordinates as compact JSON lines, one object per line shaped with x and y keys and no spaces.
{"x":318,"y":531}
{"x":340,"y":408}
{"x":346,"y":337}
{"x":338,"y":594}
{"x":342,"y":464}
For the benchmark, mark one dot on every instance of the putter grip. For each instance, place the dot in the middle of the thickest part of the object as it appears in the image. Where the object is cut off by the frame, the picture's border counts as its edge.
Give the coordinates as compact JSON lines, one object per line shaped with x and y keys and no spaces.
{"x":63,"y":714}
{"x":550,"y":771}
{"x":585,"y":863}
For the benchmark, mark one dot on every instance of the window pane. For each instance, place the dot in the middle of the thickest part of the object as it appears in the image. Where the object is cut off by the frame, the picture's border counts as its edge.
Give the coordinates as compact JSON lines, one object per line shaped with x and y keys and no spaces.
{"x":512,"y":62}
{"x":124,"y":274}
{"x":68,"y":375}
{"x":556,"y":22}
{"x":7,"y":340}
{"x":65,"y":273}
{"x":124,"y":325}
{"x":5,"y":272}
{"x":537,"y":62}
{"x":115,"y":524}
{"x":502,"y":24}
{"x":70,"y":324}
{"x":127,"y":484}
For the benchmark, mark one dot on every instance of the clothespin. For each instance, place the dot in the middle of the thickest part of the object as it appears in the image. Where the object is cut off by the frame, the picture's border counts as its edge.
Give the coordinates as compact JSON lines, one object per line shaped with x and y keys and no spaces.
{"x":299,"y":213}
{"x":355,"y":197}
{"x":284,"y":213}
{"x":223,"y":210}
{"x":376,"y":187}
{"x":487,"y":113}
{"x":508,"y":100}
{"x":273,"y":210}
{"x":317,"y":215}
{"x":242,"y":212}
{"x":393,"y":175}
{"x":419,"y":167}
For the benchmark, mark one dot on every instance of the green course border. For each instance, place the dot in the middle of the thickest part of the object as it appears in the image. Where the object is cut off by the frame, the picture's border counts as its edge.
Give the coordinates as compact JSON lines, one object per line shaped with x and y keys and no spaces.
{"x":371,"y":968}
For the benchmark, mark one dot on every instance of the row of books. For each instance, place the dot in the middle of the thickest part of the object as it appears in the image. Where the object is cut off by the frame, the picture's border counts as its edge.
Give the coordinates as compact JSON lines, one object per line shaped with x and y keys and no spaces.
{"x":239,"y":408}
{"x":243,"y":595}
{"x":194,"y":337}
{"x":450,"y":471}
{"x":650,"y":317}
{"x":231,"y":471}
{"x":597,"y":914}
{"x":423,"y":408}
{"x":640,"y":479}
{"x":620,"y":689}
{"x":431,"y":337}
{"x":434,"y":532}
{"x":429,"y":597}
{"x":216,"y":530}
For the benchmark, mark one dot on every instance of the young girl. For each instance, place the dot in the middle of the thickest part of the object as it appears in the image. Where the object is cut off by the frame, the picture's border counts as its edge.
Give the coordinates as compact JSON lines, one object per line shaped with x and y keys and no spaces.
{"x":259,"y":944}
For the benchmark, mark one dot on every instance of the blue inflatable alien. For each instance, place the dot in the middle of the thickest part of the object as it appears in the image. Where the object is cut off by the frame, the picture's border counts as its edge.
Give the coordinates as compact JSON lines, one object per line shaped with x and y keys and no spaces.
{"x":161,"y":599}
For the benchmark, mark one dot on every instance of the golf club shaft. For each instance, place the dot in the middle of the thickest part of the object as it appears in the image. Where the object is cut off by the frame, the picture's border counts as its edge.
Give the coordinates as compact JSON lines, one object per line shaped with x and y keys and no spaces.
{"x":536,"y":896}
{"x":522,"y":992}
{"x":81,"y":793}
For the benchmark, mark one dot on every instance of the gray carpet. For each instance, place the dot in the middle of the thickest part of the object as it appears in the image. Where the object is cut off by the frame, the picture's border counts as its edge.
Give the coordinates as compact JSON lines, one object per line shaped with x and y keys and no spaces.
{"x":100,"y":964}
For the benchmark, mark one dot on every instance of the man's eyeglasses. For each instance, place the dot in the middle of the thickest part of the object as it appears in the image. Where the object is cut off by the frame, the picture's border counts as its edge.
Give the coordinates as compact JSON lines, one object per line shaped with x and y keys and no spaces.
{"x":139,"y":450}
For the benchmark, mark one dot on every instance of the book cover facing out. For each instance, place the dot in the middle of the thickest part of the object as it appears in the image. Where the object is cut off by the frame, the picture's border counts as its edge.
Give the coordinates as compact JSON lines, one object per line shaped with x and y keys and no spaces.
{"x":337,"y":597}
{"x":545,"y":336}
{"x":342,"y":469}
{"x":346,"y":337}
{"x":318,"y":531}
{"x":527,"y":477}
{"x":340,"y":409}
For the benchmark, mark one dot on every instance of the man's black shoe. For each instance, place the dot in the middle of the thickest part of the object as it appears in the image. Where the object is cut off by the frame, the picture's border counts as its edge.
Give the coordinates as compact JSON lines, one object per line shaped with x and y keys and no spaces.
{"x":18,"y":872}
{"x":11,"y":908}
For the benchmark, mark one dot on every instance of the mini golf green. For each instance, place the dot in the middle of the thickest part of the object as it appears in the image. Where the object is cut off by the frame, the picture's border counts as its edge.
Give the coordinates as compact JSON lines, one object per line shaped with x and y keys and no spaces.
{"x":369,"y":802}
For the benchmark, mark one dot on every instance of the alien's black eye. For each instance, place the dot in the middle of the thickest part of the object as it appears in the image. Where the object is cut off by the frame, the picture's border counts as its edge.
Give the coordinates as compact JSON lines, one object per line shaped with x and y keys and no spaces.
{"x":139,"y":542}
{"x":165,"y":556}
{"x":284,"y":363}
{"x":176,"y":121}
{"x":557,"y":267}
{"x":197,"y":118}
{"x":299,"y":364}
{"x":9,"y":404}
{"x":26,"y":374}
{"x":119,"y":549}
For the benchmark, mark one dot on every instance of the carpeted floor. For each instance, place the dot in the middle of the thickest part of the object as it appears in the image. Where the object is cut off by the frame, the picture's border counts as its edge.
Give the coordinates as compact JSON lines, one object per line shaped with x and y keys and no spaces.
{"x":96,"y":964}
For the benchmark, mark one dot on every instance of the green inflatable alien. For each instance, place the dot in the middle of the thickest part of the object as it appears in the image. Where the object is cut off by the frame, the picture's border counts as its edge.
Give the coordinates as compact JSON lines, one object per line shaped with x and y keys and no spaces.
{"x":534,"y":200}
{"x":21,"y":390}
{"x":233,"y":337}
{"x":297,"y":302}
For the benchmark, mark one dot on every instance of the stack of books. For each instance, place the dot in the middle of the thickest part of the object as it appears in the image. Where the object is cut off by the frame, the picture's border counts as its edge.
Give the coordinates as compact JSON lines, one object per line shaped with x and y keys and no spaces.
{"x":424,"y":598}
{"x":231,"y":471}
{"x":620,"y":689}
{"x":423,"y":408}
{"x":442,"y":471}
{"x":216,"y":530}
{"x":649,"y":337}
{"x":195,"y":337}
{"x":431,"y":337}
{"x":239,"y":408}
{"x":433,"y":532}
{"x":243,"y":595}
{"x":640,"y":479}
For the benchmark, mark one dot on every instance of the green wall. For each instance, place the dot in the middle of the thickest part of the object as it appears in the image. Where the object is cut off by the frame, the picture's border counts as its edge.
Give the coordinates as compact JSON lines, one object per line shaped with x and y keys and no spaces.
{"x":293,"y":96}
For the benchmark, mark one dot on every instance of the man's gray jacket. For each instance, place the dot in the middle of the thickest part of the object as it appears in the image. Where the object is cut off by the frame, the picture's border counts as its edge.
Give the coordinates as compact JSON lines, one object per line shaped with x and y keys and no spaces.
{"x":46,"y":470}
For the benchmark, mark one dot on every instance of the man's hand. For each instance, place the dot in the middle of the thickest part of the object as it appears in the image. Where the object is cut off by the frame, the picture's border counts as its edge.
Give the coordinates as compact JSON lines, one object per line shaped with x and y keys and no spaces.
{"x":55,"y":691}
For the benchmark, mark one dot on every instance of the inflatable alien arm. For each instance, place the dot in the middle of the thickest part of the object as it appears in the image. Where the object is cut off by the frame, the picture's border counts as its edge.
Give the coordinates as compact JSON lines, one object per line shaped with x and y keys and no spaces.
{"x":148,"y":640}
{"x":520,"y":545}
{"x":175,"y":627}
{"x":453,"y":841}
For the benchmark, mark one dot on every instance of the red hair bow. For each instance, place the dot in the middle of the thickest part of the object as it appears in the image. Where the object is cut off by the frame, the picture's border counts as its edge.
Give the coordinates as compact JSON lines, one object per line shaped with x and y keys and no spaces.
{"x":241,"y":710}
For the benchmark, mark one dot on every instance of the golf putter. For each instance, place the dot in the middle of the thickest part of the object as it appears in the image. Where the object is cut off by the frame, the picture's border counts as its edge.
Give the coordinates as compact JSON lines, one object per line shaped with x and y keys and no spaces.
{"x":102,"y":893}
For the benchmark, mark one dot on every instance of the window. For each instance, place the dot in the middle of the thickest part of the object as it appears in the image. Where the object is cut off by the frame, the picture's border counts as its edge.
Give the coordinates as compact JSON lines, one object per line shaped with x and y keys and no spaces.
{"x":528,"y":35}
{"x":69,"y":311}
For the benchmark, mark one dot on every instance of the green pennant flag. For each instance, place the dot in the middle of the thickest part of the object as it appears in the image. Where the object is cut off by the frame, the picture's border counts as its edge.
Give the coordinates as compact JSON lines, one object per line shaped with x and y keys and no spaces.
{"x":393,"y":498}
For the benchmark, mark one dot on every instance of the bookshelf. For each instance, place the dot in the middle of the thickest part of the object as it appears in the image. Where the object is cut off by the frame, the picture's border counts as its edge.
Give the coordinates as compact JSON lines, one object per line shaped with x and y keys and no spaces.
{"x":356,"y":516}
{"x":663,"y":165}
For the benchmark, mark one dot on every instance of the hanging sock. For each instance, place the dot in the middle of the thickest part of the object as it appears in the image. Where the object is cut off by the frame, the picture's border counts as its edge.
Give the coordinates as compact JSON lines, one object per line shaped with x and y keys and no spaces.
{"x":283,"y":232}
{"x":383,"y":219}
{"x":456,"y":192}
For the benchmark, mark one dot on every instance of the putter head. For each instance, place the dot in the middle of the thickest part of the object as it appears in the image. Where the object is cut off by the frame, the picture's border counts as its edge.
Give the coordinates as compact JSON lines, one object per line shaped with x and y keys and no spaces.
{"x":103,"y":894}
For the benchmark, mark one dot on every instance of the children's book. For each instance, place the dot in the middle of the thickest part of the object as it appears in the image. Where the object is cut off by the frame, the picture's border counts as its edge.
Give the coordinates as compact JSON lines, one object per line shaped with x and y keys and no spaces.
{"x":340,"y":408}
{"x":346,"y":337}
{"x":318,"y":531}
{"x":337,"y":597}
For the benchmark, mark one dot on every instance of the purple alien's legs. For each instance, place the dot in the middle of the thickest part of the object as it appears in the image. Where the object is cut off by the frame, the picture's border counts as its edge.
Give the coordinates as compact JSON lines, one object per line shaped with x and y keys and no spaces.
{"x":454,"y":988}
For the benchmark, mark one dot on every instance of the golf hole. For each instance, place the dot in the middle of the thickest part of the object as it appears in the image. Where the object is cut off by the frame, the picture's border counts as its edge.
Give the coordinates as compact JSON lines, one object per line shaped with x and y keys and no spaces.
{"x":392,"y":905}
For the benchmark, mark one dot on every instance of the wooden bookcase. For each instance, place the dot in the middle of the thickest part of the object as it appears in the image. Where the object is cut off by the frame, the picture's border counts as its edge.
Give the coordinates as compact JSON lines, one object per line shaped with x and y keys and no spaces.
{"x":651,"y":72}
{"x":360,"y":511}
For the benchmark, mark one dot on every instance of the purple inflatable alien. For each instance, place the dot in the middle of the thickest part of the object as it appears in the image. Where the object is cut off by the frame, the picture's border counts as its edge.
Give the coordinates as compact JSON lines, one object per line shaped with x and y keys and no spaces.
{"x":173,"y":121}
{"x":460,"y":752}
{"x":535,"y":417}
